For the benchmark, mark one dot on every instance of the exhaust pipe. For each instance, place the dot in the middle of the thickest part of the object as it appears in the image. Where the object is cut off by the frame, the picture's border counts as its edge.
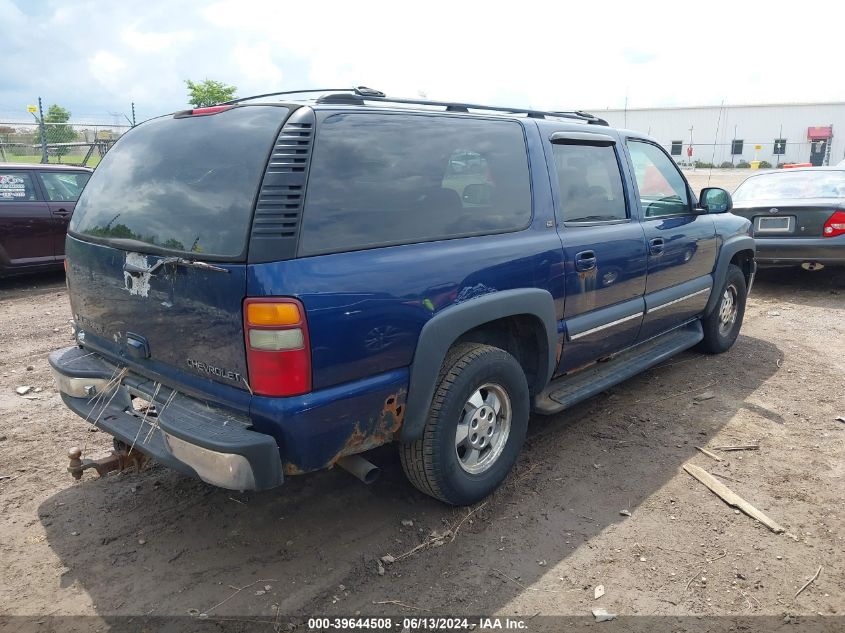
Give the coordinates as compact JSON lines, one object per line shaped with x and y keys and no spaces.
{"x":360,"y":468}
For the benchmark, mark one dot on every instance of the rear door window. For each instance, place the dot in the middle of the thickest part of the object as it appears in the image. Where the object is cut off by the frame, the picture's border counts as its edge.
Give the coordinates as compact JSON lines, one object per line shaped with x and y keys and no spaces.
{"x":181,"y":184}
{"x":17,"y":186}
{"x":383,"y":179}
{"x":62,"y":186}
{"x":590,"y":183}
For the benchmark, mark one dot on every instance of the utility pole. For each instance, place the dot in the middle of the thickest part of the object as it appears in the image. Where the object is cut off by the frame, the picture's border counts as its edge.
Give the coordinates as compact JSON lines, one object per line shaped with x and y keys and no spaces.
{"x":44,"y":159}
{"x":133,"y":114}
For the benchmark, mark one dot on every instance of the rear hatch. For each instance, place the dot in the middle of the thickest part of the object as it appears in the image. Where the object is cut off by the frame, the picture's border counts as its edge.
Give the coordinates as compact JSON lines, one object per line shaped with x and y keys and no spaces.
{"x":158,"y":244}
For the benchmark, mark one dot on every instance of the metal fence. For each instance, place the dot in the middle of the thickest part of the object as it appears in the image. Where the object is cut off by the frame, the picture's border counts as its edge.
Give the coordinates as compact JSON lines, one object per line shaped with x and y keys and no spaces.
{"x":69,"y":143}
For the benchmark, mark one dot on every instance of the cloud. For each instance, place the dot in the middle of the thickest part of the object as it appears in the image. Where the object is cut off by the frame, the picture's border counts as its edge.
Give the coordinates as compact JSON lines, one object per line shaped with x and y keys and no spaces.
{"x":97,"y":57}
{"x":255,"y":62}
{"x":154,"y":42}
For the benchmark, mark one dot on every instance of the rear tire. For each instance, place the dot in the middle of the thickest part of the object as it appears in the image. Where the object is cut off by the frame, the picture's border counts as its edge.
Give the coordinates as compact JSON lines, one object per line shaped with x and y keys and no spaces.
{"x":722,"y":325}
{"x":475,"y":429}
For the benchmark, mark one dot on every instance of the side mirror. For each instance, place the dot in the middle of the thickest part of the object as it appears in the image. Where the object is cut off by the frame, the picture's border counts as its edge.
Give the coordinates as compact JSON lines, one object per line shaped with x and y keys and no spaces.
{"x":715,"y":200}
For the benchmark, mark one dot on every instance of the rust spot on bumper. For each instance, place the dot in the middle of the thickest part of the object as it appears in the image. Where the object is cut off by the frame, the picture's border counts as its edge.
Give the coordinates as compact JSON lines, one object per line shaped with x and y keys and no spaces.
{"x":374,"y":432}
{"x":366,"y":434}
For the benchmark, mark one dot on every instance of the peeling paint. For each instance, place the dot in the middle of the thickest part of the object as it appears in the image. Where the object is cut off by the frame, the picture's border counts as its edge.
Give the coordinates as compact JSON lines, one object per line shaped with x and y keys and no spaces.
{"x":137,"y":284}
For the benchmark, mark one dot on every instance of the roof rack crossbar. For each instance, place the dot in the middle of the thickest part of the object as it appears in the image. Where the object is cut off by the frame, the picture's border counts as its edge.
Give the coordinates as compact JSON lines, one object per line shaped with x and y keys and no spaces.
{"x":362,"y":94}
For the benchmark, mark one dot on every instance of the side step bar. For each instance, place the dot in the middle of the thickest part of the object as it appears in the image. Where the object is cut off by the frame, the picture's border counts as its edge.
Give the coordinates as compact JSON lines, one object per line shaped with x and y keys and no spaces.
{"x":566,"y":391}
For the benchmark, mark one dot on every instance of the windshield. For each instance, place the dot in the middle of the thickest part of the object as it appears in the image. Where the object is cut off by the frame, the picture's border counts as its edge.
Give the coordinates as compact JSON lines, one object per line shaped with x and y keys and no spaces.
{"x":185,"y":185}
{"x":793,"y":185}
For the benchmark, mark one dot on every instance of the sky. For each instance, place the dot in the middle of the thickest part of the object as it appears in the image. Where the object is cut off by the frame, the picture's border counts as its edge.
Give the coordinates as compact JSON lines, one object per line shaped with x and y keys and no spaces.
{"x":96,"y":57}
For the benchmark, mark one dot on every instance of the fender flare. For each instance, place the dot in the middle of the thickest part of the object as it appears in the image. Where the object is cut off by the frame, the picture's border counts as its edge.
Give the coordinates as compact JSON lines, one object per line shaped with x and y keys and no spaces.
{"x":444,"y":328}
{"x":730,"y":248}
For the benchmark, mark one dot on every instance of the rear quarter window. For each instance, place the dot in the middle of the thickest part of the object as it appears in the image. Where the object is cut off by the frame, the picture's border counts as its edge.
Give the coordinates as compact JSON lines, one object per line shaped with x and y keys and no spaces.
{"x":384,"y":179}
{"x":17,"y":187}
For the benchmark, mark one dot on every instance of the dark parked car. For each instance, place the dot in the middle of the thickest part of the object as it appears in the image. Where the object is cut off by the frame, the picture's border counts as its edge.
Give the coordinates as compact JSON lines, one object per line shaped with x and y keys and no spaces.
{"x":278,"y":287}
{"x":798,"y":216}
{"x":36,"y":204}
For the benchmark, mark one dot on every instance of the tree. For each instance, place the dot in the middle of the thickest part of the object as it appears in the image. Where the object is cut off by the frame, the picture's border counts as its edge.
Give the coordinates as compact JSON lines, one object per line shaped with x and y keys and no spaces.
{"x":56,"y":128}
{"x":209,"y":92}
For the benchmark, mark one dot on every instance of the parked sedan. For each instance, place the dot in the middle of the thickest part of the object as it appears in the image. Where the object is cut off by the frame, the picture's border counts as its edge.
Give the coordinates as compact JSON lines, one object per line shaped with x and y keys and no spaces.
{"x":36,"y":204}
{"x":798,"y":216}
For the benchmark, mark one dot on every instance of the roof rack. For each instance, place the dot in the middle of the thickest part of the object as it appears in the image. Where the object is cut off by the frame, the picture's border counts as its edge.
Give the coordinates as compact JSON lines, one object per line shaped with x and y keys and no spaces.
{"x":286,"y":92}
{"x":362,"y":94}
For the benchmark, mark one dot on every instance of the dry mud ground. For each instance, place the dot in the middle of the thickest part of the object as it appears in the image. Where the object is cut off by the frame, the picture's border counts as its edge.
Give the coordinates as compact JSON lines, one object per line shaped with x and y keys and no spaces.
{"x":157,"y":544}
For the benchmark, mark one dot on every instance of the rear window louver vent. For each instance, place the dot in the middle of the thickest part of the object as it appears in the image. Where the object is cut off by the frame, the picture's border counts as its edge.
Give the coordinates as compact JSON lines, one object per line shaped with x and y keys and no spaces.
{"x":275,"y":225}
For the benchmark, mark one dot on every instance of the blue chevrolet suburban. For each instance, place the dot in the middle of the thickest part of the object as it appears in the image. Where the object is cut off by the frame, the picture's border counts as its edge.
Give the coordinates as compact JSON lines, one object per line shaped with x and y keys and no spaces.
{"x":266,"y":288}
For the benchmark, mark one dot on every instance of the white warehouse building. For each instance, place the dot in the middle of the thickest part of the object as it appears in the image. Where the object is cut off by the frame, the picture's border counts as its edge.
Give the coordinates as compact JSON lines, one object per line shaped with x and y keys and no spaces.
{"x":778,"y":133}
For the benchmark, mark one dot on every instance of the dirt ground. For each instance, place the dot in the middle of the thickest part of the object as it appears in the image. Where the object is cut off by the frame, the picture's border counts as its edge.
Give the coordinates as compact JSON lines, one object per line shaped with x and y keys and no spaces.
{"x":156,"y":543}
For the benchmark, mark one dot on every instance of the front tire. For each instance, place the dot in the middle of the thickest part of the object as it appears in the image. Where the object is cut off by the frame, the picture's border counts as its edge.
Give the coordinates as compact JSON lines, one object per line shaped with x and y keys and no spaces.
{"x":475,"y":429}
{"x":722,"y":325}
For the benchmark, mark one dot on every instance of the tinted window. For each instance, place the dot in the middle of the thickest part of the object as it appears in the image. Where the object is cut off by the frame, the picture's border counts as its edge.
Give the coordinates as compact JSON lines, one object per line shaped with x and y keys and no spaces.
{"x":380,"y":179}
{"x":184,"y":184}
{"x":64,"y":187}
{"x":793,"y":185}
{"x":16,"y":187}
{"x":662,"y":189}
{"x":590,"y":183}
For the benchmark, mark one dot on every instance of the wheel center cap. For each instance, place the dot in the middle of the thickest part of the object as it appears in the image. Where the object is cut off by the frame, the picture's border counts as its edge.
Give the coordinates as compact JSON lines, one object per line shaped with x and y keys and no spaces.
{"x":481,"y":427}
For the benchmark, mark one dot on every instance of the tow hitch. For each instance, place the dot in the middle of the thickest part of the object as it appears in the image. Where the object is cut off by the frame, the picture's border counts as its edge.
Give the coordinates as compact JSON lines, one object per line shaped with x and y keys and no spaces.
{"x":119,"y":460}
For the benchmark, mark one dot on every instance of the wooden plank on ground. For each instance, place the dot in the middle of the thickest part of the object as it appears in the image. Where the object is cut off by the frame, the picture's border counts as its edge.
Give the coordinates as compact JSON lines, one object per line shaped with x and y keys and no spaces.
{"x":731,"y":498}
{"x":710,"y":454}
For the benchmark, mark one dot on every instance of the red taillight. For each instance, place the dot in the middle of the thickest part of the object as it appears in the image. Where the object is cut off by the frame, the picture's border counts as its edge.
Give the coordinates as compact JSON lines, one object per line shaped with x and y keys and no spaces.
{"x":210,"y":110}
{"x":835,"y":224}
{"x":278,"y":352}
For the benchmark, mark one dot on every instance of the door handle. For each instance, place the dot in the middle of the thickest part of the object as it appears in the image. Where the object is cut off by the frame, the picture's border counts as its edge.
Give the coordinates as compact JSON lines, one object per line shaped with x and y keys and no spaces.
{"x":62,"y":213}
{"x":585,"y":260}
{"x":655,"y":246}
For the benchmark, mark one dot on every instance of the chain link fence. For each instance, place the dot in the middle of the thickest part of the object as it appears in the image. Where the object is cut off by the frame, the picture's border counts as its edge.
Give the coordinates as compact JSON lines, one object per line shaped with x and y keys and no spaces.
{"x":81,"y":144}
{"x":728,"y":155}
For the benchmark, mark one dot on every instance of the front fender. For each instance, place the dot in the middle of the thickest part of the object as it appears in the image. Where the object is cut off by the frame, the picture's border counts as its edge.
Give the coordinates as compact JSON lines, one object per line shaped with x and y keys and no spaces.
{"x":444,"y":328}
{"x":730,"y":247}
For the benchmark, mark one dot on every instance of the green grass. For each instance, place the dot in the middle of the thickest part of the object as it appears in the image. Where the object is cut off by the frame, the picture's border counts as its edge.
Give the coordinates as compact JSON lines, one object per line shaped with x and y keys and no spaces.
{"x":67,"y":159}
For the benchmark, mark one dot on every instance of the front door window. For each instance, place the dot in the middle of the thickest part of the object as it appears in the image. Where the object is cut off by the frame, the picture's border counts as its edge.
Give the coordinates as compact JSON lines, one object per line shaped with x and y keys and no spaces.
{"x":662,"y":189}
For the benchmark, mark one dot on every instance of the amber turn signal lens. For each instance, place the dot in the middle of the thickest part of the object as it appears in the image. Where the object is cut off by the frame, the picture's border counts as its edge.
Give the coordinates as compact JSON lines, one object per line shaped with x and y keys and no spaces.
{"x":273,"y":314}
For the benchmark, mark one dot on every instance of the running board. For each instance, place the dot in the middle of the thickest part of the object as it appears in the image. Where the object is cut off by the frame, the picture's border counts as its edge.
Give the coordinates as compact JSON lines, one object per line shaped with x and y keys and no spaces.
{"x":566,"y":391}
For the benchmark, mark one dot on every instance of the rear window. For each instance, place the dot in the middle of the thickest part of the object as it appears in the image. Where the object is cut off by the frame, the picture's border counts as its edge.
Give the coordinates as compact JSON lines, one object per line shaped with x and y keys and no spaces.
{"x":181,"y":185}
{"x":382,"y":179}
{"x":793,"y":185}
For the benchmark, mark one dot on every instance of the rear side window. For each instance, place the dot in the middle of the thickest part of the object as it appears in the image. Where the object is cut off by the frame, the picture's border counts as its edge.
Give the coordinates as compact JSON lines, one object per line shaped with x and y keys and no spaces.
{"x":17,"y":187}
{"x":184,"y":185}
{"x":381,"y":179}
{"x":64,"y":187}
{"x":590,"y":183}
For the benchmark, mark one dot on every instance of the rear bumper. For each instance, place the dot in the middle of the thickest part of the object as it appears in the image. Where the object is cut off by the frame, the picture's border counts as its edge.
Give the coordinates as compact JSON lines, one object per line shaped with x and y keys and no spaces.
{"x":184,"y":433}
{"x":787,"y":251}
